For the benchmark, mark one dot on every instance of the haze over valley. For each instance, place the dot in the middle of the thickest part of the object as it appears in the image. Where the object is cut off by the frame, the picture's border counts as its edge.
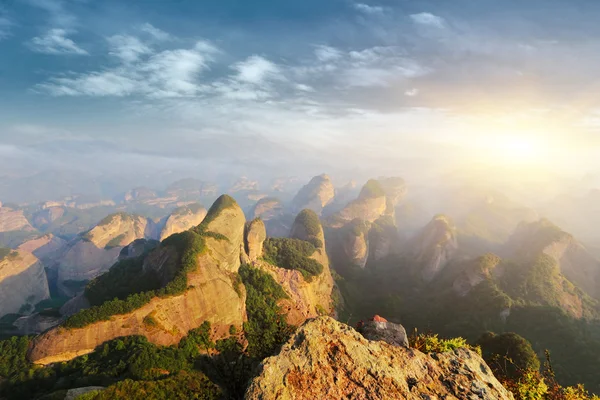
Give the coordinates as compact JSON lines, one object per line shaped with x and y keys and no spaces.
{"x":309,"y":200}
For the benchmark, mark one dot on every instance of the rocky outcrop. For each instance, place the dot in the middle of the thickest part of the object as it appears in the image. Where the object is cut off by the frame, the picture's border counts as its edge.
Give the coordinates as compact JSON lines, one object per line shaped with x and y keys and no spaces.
{"x":48,"y":215}
{"x":139,"y":194}
{"x":256,"y":235}
{"x":383,"y":238}
{"x":213,"y":298}
{"x":118,"y":230}
{"x":315,"y":195}
{"x":574,"y":260}
{"x":475,"y":272}
{"x":369,"y":206}
{"x":226,"y":218}
{"x":84,"y":261}
{"x":355,"y":242}
{"x":306,"y":299}
{"x":326,"y":359}
{"x":46,"y":248}
{"x":13,"y":220}
{"x":267,"y":209}
{"x":243,"y":184}
{"x":307,"y":226}
{"x":395,"y":190}
{"x":182,"y":219}
{"x":434,"y":246}
{"x":23,"y":281}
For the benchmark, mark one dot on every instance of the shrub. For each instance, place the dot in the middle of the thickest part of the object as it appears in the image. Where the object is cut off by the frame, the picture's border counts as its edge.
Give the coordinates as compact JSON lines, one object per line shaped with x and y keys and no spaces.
{"x":292,"y":254}
{"x":427,"y":343}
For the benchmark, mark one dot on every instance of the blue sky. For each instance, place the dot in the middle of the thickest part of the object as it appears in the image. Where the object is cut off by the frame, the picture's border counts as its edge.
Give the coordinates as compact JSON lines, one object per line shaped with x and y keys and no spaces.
{"x":299,"y":86}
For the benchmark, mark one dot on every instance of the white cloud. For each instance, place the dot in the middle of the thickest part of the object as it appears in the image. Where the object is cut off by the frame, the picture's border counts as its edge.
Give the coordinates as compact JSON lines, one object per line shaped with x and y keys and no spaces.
{"x":256,"y":70}
{"x":304,"y":88}
{"x":429,"y":19}
{"x":170,"y":73}
{"x":156,"y":33}
{"x":55,"y":41}
{"x":326,"y":53}
{"x":127,"y":48}
{"x":412,"y":92}
{"x":367,"y":9}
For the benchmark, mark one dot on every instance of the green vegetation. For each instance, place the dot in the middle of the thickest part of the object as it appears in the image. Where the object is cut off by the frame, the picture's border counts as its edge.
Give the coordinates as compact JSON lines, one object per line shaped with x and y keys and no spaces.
{"x":372,"y":189}
{"x":358,"y":227}
{"x":115,"y":242}
{"x":266,"y":329}
{"x":222,"y":203}
{"x":509,"y":355}
{"x":427,"y":343}
{"x":310,"y":221}
{"x":4,"y":252}
{"x":292,"y":254}
{"x":123,"y":290}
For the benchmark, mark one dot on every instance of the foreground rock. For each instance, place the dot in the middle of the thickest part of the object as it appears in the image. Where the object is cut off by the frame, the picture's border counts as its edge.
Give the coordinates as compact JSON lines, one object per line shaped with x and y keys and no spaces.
{"x":326,"y":359}
{"x":378,"y":328}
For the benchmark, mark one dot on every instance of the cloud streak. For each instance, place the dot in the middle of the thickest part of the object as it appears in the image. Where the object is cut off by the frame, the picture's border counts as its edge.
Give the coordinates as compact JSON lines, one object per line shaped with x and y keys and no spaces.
{"x":55,"y":41}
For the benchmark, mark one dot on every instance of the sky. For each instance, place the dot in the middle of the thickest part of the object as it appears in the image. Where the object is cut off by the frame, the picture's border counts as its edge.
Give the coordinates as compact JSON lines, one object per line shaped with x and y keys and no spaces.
{"x":278,"y":87}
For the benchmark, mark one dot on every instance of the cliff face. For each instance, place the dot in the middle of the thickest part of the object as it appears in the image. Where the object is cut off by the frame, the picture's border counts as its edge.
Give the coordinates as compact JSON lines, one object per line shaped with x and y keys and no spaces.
{"x":84,"y":261}
{"x":369,"y":206}
{"x":46,"y":248}
{"x":434,"y":246}
{"x":23,"y":281}
{"x":182,"y":219}
{"x":315,"y":195}
{"x":355,"y":243}
{"x":326,"y":359}
{"x":575,"y":262}
{"x":256,"y":234}
{"x":13,"y":220}
{"x":211,"y":296}
{"x":118,"y":230}
{"x":306,"y":299}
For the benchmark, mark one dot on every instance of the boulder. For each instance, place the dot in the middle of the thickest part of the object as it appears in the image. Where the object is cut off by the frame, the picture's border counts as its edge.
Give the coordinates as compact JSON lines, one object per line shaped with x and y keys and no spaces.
{"x":378,"y":328}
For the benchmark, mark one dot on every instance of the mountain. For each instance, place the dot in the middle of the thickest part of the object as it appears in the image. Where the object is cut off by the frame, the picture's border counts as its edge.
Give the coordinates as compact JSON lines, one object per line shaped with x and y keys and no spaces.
{"x":192,"y":277}
{"x":434,"y":247}
{"x":272,"y":211}
{"x":573,"y":259}
{"x":328,"y":359}
{"x":315,"y":195}
{"x":182,"y":219}
{"x":23,"y":282}
{"x":14,"y":227}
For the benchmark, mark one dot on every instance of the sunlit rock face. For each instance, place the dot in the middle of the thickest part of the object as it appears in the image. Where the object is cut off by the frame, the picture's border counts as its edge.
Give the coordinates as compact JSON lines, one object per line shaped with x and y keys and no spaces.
{"x":255,"y":237}
{"x":326,"y":359}
{"x":23,"y":281}
{"x":317,"y":194}
{"x":434,"y":246}
{"x":182,"y":219}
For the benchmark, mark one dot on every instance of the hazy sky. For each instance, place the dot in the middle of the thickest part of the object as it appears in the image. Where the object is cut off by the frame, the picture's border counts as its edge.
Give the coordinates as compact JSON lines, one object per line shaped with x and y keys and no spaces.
{"x":300,"y":86}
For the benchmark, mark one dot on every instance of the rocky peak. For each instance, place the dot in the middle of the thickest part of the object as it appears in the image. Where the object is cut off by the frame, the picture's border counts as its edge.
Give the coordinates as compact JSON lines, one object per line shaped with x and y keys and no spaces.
{"x":575,"y":262}
{"x":182,"y":219}
{"x":355,"y":242}
{"x":307,"y":226}
{"x":434,"y":246}
{"x":395,"y":190}
{"x":225,"y":218}
{"x":315,"y":195}
{"x":370,"y":205}
{"x":117,"y":230}
{"x":256,"y":234}
{"x":327,"y":359}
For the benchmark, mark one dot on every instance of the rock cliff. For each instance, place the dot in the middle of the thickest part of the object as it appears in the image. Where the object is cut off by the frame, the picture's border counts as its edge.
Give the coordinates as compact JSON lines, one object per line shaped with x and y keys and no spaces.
{"x":13,"y":220}
{"x":212,"y":295}
{"x":434,"y":246}
{"x":182,"y":219}
{"x":317,"y":194}
{"x":369,"y":206}
{"x":574,"y":260}
{"x":326,"y":359}
{"x":355,"y":242}
{"x":23,"y":281}
{"x":254,"y":238}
